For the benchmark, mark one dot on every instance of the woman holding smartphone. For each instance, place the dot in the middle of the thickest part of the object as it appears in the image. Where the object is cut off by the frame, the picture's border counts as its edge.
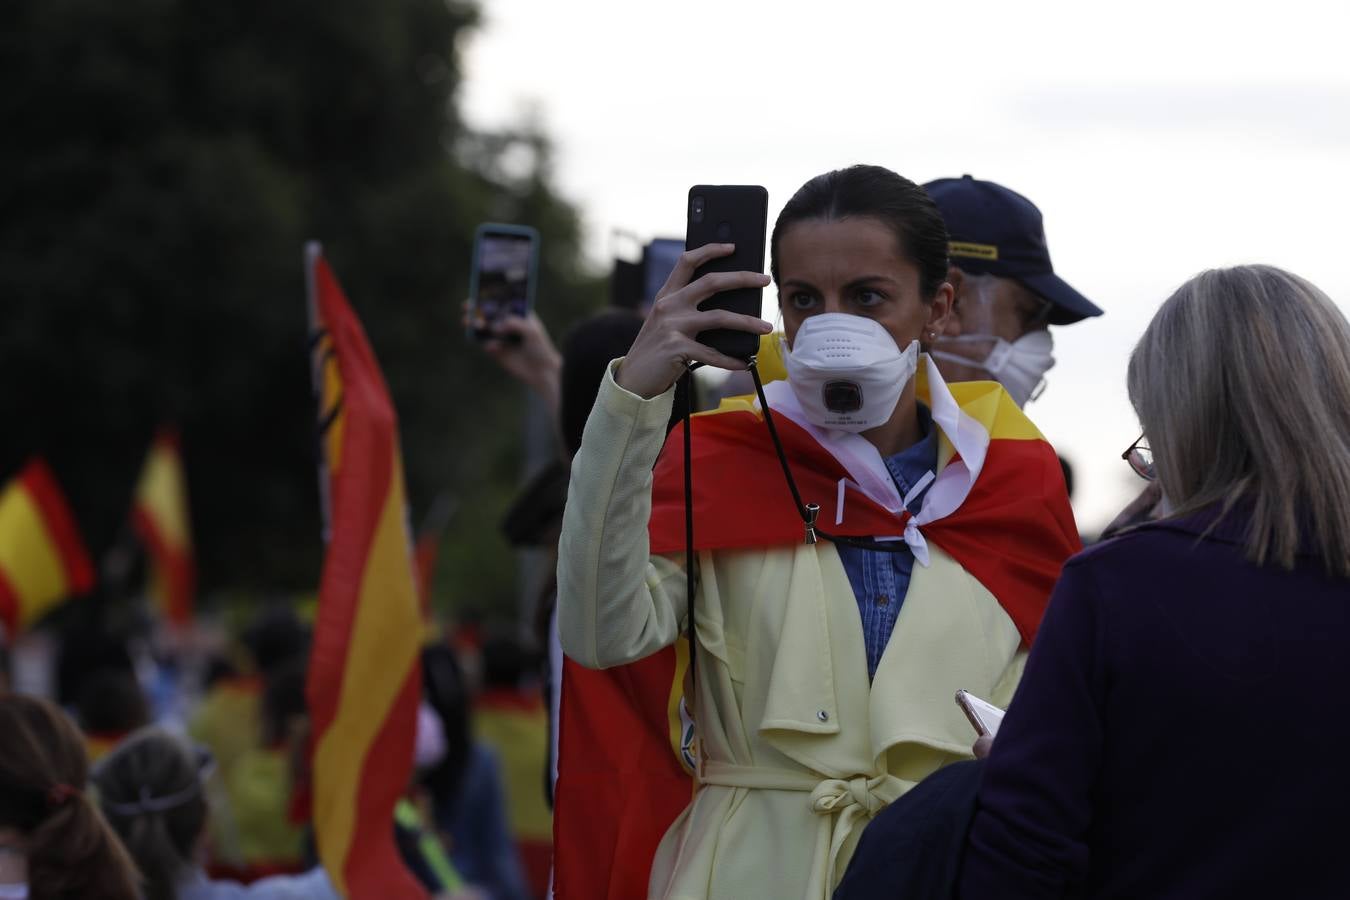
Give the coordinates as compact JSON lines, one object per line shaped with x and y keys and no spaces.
{"x":824,"y":670}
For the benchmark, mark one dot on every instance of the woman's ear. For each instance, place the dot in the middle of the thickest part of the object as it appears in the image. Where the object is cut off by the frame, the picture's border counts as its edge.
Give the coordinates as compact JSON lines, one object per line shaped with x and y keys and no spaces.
{"x":939,"y":315}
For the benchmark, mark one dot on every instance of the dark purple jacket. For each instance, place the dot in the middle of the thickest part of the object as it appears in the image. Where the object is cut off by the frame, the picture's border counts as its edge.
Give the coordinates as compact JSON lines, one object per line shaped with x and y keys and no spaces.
{"x":1180,"y":730}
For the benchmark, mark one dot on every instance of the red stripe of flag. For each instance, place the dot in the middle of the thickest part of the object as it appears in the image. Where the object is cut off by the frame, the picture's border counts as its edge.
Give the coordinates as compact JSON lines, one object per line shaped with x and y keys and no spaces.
{"x":374,"y":857}
{"x":177,"y":570}
{"x":620,"y":785}
{"x":9,"y":606}
{"x":41,"y":485}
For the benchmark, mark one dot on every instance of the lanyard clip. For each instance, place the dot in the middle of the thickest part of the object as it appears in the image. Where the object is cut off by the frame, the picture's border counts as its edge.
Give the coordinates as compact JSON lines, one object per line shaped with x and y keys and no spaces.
{"x":812,"y":510}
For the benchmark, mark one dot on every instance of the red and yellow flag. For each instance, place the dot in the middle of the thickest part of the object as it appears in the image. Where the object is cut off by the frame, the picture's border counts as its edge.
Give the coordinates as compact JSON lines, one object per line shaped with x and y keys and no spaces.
{"x":159,"y":515}
{"x":514,"y":725}
{"x":42,"y":557}
{"x":364,"y":678}
{"x":624,"y":773}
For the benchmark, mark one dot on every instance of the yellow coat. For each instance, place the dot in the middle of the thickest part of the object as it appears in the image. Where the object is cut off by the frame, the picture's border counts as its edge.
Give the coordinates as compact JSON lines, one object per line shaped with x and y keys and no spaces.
{"x":798,"y":750}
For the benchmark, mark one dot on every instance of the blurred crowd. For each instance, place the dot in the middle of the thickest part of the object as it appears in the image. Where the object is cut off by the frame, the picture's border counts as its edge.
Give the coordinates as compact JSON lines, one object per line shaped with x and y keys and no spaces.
{"x":196,"y":746}
{"x":793,"y":698}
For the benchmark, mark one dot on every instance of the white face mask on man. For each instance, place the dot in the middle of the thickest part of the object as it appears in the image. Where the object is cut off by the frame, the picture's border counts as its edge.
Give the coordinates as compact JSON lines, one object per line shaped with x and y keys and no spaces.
{"x":1019,"y":366}
{"x":847,"y":372}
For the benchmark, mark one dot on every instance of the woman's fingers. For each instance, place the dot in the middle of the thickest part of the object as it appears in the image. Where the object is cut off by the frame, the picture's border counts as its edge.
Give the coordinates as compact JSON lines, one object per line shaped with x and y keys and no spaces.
{"x":688,"y":298}
{"x":666,"y":343}
{"x":652,"y":366}
{"x":675,"y":307}
{"x":717,"y":282}
{"x":689,"y":262}
{"x":709,"y":319}
{"x":701,"y":353}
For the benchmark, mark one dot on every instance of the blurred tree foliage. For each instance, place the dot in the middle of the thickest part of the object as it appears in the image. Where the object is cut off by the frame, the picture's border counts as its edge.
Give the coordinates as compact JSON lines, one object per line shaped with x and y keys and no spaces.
{"x":163,"y":163}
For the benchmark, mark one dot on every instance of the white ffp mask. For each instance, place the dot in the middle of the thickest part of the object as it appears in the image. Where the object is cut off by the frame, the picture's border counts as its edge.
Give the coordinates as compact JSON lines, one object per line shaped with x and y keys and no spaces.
{"x":847,"y":372}
{"x":1019,"y":366}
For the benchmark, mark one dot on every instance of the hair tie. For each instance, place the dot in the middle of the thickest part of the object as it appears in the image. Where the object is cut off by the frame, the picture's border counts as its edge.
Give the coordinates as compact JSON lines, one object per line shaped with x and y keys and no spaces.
{"x":146,"y":803}
{"x":59,"y":794}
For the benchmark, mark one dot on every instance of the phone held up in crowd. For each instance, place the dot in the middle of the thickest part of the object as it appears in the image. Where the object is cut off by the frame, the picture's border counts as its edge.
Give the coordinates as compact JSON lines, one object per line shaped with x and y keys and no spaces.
{"x":984,"y":717}
{"x":730,"y":214}
{"x":502,"y":278}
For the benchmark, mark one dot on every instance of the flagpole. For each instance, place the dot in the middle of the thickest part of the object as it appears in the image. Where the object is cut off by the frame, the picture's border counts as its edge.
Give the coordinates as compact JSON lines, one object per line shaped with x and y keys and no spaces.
{"x":312,"y":254}
{"x":313,"y":250}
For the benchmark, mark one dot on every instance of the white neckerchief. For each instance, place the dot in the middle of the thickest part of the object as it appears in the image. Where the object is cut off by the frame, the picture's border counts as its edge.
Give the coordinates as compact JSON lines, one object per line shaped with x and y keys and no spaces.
{"x":867,"y":470}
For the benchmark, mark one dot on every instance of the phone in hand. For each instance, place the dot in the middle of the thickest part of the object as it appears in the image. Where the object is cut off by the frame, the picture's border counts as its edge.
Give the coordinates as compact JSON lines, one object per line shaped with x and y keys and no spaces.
{"x":984,"y":716}
{"x":730,"y":214}
{"x":502,"y":278}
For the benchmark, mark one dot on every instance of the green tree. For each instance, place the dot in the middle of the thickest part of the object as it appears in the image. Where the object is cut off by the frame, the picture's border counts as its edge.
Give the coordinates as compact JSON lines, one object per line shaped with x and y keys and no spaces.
{"x":164,"y":162}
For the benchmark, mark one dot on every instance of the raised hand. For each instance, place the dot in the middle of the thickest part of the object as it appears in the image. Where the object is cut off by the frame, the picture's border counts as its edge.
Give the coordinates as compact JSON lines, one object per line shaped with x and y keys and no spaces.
{"x":666,"y":345}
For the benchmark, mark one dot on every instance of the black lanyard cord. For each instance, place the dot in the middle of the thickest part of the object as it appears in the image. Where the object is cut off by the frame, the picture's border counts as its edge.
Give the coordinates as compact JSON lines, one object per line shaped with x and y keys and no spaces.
{"x":689,"y":580}
{"x":809,"y":511}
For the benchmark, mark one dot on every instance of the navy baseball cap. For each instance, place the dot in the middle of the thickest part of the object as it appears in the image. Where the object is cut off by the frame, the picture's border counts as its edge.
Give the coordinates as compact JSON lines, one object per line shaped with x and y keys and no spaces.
{"x":995,"y":231}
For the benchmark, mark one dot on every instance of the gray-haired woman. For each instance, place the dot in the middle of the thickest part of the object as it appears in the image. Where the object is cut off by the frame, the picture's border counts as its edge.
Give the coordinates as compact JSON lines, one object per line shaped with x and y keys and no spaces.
{"x":1226,"y":620}
{"x":150,"y":789}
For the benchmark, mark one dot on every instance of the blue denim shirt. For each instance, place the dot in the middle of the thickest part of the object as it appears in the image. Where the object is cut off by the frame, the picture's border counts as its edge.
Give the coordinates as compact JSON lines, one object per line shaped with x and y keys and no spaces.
{"x":880,"y":579}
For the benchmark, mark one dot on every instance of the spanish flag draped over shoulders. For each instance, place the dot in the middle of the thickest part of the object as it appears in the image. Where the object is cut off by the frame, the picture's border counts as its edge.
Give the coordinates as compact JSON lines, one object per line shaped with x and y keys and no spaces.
{"x":997,"y":503}
{"x":43,"y":559}
{"x":364,"y":679}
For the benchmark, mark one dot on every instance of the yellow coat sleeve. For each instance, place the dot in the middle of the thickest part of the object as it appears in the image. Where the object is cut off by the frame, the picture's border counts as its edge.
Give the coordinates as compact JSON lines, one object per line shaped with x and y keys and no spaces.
{"x":616,"y":604}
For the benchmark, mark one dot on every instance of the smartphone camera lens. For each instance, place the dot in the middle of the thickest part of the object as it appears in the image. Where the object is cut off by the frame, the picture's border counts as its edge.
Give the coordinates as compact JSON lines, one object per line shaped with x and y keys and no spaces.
{"x":696,"y":207}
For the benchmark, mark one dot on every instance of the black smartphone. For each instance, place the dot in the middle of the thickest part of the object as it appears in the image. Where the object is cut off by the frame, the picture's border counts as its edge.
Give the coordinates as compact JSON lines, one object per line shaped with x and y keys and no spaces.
{"x":730,"y":214}
{"x":501,"y":281}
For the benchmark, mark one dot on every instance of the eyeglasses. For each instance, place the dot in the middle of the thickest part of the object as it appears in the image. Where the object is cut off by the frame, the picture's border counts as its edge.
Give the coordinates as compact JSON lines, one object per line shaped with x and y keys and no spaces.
{"x":1140,"y":458}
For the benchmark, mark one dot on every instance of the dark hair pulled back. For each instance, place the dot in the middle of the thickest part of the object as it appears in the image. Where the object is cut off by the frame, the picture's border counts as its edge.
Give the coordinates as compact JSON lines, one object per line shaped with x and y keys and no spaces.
{"x":874,"y":192}
{"x":71,"y":851}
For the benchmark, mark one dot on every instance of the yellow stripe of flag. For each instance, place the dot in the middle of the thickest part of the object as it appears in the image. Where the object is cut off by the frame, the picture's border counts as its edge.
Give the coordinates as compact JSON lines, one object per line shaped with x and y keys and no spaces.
{"x":380,"y":658}
{"x":42,"y":559}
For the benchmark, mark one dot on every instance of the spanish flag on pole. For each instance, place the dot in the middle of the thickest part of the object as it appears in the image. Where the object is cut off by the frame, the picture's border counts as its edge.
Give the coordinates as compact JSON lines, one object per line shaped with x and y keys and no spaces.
{"x":159,"y":515}
{"x":42,"y":558}
{"x":364,"y":678}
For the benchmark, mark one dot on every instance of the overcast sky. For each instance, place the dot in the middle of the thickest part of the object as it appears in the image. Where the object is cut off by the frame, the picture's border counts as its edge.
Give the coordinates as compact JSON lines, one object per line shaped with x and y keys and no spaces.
{"x":1158,"y":139}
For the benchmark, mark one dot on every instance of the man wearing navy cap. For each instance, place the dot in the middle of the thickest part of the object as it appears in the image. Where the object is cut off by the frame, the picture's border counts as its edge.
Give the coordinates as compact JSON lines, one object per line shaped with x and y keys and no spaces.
{"x":1007,"y":293}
